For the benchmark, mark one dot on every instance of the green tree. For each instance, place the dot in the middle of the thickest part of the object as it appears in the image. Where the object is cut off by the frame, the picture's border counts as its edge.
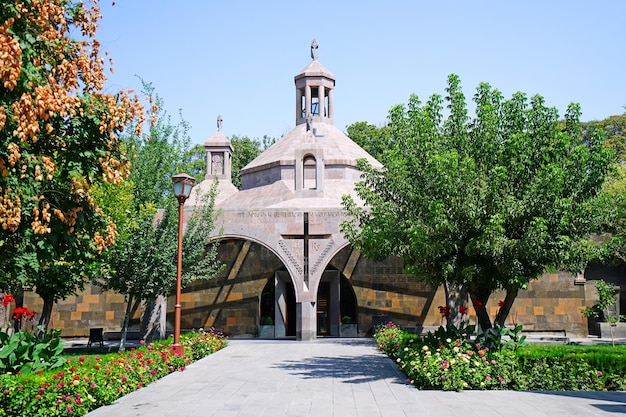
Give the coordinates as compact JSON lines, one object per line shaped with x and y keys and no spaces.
{"x":59,"y":136}
{"x":486,"y":203}
{"x":369,"y":137}
{"x":142,"y":264}
{"x":614,"y":128}
{"x":244,"y":151}
{"x":195,"y":159}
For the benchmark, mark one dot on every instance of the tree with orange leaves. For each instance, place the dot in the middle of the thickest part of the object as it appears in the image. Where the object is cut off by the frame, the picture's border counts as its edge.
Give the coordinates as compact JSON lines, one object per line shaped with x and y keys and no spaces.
{"x":59,"y":136}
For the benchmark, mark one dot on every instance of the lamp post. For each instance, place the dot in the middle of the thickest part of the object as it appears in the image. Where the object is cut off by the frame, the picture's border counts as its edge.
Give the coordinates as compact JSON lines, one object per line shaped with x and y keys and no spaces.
{"x":183,"y":184}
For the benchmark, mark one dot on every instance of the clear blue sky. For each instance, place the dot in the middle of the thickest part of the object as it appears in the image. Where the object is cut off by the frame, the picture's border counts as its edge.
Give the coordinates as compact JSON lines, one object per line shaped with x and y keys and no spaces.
{"x":238,"y":58}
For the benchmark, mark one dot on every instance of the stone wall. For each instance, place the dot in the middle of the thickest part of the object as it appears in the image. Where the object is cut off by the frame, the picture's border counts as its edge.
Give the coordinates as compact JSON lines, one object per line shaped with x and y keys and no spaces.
{"x":230,"y":301}
{"x":90,"y":308}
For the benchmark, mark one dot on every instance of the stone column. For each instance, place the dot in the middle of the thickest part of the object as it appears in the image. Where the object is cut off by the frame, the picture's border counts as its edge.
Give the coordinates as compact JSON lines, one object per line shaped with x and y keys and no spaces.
{"x":320,"y":97}
{"x":333,"y":302}
{"x":280,"y":308}
{"x":307,"y":101}
{"x":298,"y":104}
{"x":331,"y":104}
{"x":306,"y":321}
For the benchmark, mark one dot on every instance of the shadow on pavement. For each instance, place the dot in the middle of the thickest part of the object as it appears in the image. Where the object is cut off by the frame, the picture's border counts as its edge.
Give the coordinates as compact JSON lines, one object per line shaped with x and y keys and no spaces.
{"x":618,"y":397}
{"x":347,"y":369}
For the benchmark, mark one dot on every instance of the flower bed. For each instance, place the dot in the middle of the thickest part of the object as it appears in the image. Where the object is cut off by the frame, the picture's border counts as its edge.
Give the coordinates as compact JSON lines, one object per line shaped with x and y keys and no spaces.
{"x":86,"y":383}
{"x":448,"y":360}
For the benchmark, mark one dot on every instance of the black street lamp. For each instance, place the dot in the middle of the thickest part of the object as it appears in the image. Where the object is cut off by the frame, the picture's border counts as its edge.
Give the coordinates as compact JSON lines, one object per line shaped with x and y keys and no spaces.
{"x":183,"y":184}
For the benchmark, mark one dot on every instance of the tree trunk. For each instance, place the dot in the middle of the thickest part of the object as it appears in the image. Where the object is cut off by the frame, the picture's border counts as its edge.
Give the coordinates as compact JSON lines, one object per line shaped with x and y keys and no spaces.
{"x":46,"y":311}
{"x":19,"y":302}
{"x":129,"y":304}
{"x":456,"y":296}
{"x":479,"y":300}
{"x":153,"y":319}
{"x":505,"y":309}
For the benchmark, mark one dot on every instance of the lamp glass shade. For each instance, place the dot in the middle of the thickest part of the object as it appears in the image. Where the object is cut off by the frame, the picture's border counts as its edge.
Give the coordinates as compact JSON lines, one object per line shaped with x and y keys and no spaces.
{"x":178,"y":188}
{"x":183,"y":184}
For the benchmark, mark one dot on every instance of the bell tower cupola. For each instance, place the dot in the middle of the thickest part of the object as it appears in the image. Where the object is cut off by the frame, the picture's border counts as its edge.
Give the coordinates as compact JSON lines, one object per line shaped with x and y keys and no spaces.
{"x":219,"y":153}
{"x":314,"y":92}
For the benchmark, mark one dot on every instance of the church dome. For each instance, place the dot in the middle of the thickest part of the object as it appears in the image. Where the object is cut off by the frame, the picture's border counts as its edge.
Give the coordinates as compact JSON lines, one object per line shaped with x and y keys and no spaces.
{"x":314,"y":164}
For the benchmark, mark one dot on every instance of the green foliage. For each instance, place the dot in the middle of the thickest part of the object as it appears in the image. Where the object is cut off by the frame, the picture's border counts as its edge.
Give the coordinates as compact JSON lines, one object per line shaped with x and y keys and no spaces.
{"x":375,"y":140}
{"x":448,"y":360}
{"x":142,"y":264}
{"x":388,"y":337}
{"x":486,"y":203}
{"x":159,"y":154}
{"x":501,"y":337}
{"x":30,"y":351}
{"x":201,"y":343}
{"x":613,"y":128}
{"x":59,"y":136}
{"x":244,"y":151}
{"x":83,"y":383}
{"x":605,"y":358}
{"x":608,"y":295}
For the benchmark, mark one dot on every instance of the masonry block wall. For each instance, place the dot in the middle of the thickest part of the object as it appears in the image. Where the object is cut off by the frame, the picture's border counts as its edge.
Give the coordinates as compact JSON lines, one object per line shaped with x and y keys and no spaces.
{"x":553,"y":303}
{"x":230,"y":301}
{"x":90,"y":308}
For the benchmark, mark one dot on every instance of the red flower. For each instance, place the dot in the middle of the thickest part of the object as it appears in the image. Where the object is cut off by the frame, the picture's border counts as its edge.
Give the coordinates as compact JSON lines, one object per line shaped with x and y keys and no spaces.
{"x":501,"y":303}
{"x":20,"y":312}
{"x":7,"y":299}
{"x":463,"y":310}
{"x":478,"y":304}
{"x":444,"y":311}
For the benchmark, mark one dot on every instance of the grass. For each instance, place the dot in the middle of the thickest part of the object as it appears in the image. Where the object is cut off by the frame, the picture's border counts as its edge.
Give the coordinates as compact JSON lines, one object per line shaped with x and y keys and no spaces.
{"x":605,"y":358}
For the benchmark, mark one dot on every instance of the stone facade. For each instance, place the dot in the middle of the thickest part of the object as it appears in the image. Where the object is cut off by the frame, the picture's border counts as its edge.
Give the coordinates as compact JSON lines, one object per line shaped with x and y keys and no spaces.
{"x":286,"y":260}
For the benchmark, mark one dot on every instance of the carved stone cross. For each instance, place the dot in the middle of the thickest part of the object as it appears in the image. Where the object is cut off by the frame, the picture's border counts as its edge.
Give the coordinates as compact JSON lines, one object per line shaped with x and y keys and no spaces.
{"x":306,"y":237}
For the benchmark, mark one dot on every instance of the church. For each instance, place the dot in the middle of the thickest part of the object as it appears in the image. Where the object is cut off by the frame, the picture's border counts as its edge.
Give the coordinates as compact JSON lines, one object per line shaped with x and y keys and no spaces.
{"x":289,"y":272}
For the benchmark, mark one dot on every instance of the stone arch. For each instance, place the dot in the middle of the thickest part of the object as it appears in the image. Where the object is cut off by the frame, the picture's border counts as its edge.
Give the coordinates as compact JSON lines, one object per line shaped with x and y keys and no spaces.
{"x":267,"y":240}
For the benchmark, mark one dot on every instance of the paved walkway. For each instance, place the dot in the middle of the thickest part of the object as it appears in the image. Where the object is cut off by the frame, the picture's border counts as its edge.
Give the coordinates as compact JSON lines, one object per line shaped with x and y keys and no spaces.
{"x":331,"y":377}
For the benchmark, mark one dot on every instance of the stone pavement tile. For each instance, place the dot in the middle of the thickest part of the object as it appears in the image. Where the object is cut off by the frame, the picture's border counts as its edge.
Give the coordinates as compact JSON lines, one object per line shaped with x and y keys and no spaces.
{"x":327,"y":378}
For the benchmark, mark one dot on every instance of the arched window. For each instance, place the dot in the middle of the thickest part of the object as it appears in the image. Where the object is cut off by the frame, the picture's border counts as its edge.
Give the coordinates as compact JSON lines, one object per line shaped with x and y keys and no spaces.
{"x":309,"y":179}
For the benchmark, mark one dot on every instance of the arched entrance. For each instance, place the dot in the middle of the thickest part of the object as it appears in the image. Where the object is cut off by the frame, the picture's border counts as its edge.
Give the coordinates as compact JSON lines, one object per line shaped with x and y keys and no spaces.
{"x":336,"y":301}
{"x":336,"y":304}
{"x":279,"y":309}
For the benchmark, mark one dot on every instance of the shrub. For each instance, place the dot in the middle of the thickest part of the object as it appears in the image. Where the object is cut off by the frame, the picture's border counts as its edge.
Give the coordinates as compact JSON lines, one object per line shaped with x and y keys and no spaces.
{"x":455,"y":364}
{"x":26,"y":348}
{"x":446,"y":359}
{"x":201,"y":343}
{"x":85,"y":383}
{"x":24,"y":351}
{"x":388,"y":337}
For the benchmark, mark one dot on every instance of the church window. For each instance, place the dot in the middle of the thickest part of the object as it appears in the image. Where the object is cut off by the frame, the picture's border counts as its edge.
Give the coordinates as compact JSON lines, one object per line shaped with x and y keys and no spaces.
{"x":310,"y":173}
